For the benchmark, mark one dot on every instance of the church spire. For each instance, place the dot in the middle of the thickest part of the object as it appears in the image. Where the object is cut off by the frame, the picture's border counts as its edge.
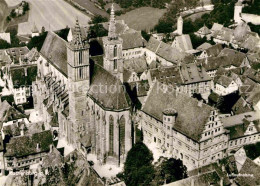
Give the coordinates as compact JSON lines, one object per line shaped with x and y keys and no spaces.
{"x":112,"y":24}
{"x":77,"y":42}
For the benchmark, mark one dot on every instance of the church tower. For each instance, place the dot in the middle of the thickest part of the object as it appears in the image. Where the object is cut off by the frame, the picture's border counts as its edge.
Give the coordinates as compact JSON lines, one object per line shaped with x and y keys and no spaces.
{"x":113,"y":57}
{"x":78,"y":81}
{"x":180,"y":26}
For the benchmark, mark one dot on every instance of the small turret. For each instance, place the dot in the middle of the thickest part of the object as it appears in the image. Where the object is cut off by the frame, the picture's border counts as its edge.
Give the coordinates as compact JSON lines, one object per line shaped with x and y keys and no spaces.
{"x":169,"y":119}
{"x":180,"y":26}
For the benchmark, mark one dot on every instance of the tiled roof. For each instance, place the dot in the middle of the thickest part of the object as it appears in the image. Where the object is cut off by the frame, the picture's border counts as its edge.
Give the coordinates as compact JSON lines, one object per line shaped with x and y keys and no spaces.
{"x":26,"y":145}
{"x":16,"y":53}
{"x":166,"y":51}
{"x":204,"y":30}
{"x":213,"y":63}
{"x":184,"y":42}
{"x":137,"y":65}
{"x":224,"y":81}
{"x":191,"y":117}
{"x":185,"y":74}
{"x":216,"y":27}
{"x":9,"y":113}
{"x":4,"y":58}
{"x":214,"y":50}
{"x":252,"y":74}
{"x":241,"y":106}
{"x":238,"y":119}
{"x":107,"y":90}
{"x":32,"y":55}
{"x":204,"y":46}
{"x":167,"y":75}
{"x":251,"y":42}
{"x":225,"y":34}
{"x":55,"y":51}
{"x":133,"y":40}
{"x":23,"y":76}
{"x":251,"y":169}
{"x":205,"y":179}
{"x":191,"y":73}
{"x":210,"y":168}
{"x":236,"y":58}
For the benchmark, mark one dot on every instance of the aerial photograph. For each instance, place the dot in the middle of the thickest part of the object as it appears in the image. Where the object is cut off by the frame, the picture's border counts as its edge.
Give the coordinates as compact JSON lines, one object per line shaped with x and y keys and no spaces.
{"x":129,"y":92}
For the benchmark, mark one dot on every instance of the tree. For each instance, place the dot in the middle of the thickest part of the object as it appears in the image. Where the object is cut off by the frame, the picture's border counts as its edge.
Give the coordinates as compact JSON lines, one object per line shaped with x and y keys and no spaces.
{"x":98,"y":19}
{"x":170,"y":170}
{"x":138,"y":169}
{"x":97,"y":30}
{"x":197,"y":41}
{"x":37,"y":41}
{"x":145,"y":35}
{"x":4,"y":44}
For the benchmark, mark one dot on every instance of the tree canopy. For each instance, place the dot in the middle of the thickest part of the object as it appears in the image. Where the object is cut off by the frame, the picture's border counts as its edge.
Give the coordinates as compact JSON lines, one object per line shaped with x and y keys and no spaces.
{"x":170,"y":170}
{"x":139,"y":170}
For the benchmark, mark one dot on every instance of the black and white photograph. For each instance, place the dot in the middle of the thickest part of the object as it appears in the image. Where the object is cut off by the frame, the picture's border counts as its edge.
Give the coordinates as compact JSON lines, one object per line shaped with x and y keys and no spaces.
{"x":129,"y":92}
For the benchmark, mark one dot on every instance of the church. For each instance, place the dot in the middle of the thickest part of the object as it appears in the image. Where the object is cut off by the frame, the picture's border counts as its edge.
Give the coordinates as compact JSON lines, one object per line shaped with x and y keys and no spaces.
{"x":83,"y":101}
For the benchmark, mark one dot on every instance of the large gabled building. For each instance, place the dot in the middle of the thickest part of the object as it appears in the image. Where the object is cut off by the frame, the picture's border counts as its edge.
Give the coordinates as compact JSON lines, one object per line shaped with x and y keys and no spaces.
{"x":87,"y":99}
{"x":183,"y":127}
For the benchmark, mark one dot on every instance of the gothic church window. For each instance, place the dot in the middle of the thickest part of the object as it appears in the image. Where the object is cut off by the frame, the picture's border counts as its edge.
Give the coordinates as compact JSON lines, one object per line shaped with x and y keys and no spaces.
{"x":122,"y":135}
{"x":80,"y":57}
{"x":80,"y":73}
{"x":115,"y":64}
{"x":115,"y":51}
{"x":111,"y":135}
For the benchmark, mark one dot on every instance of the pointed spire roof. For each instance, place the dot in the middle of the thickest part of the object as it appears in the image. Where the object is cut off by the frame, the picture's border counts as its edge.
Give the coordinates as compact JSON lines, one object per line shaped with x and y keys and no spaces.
{"x":112,"y":24}
{"x":35,"y":29}
{"x":180,"y":18}
{"x":77,"y":41}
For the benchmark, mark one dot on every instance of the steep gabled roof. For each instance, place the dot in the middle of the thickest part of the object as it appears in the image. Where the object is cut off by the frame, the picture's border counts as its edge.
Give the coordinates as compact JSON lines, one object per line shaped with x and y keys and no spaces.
{"x":133,"y":40}
{"x":251,"y":169}
{"x":184,"y":42}
{"x":137,"y":65}
{"x":9,"y":113}
{"x":224,"y":81}
{"x":54,"y":49}
{"x":166,"y":51}
{"x":27,"y":145}
{"x":204,"y":46}
{"x":108,"y":91}
{"x":214,"y":50}
{"x":236,"y":58}
{"x":191,"y":117}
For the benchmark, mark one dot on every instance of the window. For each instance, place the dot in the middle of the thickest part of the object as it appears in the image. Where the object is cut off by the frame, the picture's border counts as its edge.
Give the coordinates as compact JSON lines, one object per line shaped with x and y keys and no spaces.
{"x":80,"y":57}
{"x":168,"y":145}
{"x":115,"y":51}
{"x":115,"y":64}
{"x":168,"y":136}
{"x":168,"y":119}
{"x":168,"y":127}
{"x":80,"y":73}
